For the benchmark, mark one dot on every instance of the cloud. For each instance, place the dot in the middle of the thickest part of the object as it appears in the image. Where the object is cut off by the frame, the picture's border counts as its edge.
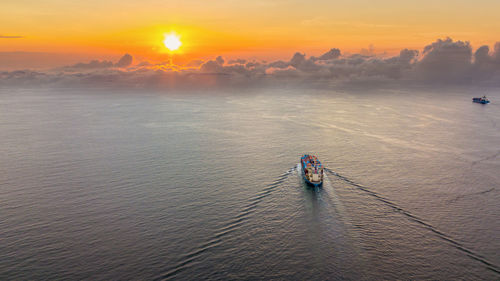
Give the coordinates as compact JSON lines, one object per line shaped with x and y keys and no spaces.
{"x":444,"y":61}
{"x":213,"y":66}
{"x":92,"y":65}
{"x":124,"y":61}
{"x":144,"y":63}
{"x":237,"y":61}
{"x":11,"y":36}
{"x":220,"y":60}
{"x":486,"y":63}
{"x":368,"y":52}
{"x":330,"y":55}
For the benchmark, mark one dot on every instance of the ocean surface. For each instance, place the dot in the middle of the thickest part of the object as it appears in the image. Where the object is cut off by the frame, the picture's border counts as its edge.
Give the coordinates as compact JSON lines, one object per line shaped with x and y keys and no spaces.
{"x":191,"y":186}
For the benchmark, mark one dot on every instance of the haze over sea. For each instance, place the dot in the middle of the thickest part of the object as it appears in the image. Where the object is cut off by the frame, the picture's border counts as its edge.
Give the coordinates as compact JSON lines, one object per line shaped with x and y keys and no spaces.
{"x":119,"y":185}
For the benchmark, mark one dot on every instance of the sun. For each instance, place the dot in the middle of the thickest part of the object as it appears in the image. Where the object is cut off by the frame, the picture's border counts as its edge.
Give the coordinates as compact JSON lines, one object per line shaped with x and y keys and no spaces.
{"x":172,"y":41}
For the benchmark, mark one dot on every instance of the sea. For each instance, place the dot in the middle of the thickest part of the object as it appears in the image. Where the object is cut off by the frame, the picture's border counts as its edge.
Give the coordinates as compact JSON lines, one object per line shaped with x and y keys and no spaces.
{"x":205,"y":185}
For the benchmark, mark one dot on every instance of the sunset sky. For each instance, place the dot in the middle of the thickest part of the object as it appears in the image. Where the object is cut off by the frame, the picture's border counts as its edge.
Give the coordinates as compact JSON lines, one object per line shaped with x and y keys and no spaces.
{"x":62,"y":31}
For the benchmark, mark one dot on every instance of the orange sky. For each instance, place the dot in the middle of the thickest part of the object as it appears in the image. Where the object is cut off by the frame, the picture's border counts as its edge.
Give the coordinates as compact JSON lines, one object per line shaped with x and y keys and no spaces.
{"x":261,"y":29}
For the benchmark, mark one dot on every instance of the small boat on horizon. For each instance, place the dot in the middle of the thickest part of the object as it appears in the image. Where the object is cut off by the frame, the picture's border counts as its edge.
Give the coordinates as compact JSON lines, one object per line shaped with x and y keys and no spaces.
{"x":312,"y":170}
{"x":482,"y":100}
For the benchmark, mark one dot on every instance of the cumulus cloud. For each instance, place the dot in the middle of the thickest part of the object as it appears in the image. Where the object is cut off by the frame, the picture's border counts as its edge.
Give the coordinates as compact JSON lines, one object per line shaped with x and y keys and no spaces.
{"x":487,"y":63}
{"x":219,"y":60}
{"x":94,"y":64}
{"x":124,"y":61}
{"x":330,"y":55}
{"x":213,"y":66}
{"x":444,"y":61}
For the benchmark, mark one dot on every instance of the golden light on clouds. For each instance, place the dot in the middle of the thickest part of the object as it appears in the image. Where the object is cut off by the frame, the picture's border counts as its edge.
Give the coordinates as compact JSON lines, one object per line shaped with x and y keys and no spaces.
{"x":172,"y":41}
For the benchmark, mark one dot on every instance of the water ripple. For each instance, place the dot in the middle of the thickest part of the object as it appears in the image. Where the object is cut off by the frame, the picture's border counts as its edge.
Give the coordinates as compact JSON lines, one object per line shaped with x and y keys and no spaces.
{"x":227,"y":228}
{"x":440,"y":234}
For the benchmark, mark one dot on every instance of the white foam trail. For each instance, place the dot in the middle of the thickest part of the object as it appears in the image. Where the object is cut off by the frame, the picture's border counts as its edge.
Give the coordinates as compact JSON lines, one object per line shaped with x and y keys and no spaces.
{"x":344,"y":216}
{"x":330,"y":191}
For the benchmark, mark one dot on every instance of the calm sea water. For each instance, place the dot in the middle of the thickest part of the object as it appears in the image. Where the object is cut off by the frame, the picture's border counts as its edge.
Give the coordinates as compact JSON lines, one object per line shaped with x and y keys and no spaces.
{"x":152,"y":186}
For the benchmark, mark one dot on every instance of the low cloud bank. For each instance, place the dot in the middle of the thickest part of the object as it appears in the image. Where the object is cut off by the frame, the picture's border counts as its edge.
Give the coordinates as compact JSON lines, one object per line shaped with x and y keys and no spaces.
{"x":125,"y":61}
{"x":444,"y":61}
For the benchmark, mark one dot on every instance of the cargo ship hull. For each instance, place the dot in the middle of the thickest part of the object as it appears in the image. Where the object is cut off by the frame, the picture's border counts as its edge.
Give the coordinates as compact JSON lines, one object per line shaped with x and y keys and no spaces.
{"x":312,"y":170}
{"x":482,"y":100}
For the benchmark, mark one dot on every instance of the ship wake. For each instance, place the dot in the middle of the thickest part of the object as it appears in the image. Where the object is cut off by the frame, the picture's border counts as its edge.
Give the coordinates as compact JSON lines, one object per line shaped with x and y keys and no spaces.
{"x":470,"y":253}
{"x":233,"y":225}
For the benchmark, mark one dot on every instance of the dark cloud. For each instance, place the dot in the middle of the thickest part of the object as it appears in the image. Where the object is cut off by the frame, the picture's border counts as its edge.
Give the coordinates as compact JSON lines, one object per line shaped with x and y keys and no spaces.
{"x":279,"y":64}
{"x":220,"y":60}
{"x":92,"y":65}
{"x":144,"y":63}
{"x":332,"y":66}
{"x":330,"y":55}
{"x":486,"y":64}
{"x":444,"y":61}
{"x":408,"y":56}
{"x":300,"y":62}
{"x":237,"y":61}
{"x":496,"y":54}
{"x":11,"y":36}
{"x":212,"y":66}
{"x":124,"y":61}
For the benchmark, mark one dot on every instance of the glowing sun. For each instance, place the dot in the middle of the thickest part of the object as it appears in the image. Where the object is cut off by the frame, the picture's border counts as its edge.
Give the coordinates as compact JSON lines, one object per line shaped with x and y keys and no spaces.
{"x":172,"y":42}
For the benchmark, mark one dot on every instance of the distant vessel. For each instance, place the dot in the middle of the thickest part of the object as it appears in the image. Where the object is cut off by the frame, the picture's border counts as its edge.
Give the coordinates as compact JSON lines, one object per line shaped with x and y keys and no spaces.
{"x":312,"y":170}
{"x":482,"y":100}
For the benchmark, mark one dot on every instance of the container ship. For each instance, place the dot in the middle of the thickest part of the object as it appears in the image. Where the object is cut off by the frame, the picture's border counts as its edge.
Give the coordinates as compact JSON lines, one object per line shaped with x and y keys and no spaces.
{"x":312,"y":170}
{"x":482,"y":100}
